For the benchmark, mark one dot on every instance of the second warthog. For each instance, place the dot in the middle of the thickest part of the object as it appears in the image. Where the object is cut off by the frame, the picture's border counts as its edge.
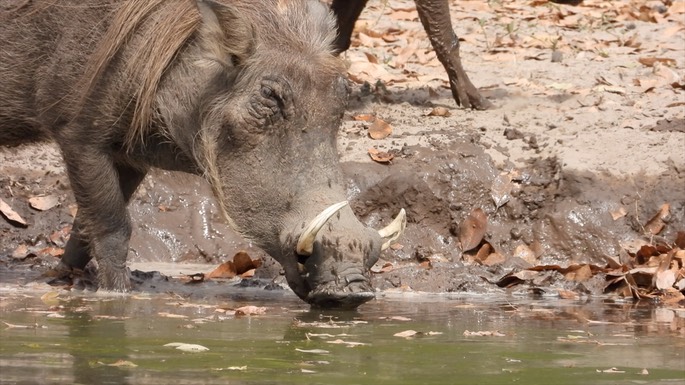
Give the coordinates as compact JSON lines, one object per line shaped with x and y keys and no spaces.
{"x":245,"y":93}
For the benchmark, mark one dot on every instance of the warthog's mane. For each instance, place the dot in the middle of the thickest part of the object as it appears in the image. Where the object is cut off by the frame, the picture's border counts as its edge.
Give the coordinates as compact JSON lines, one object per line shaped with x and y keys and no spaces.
{"x":169,"y":24}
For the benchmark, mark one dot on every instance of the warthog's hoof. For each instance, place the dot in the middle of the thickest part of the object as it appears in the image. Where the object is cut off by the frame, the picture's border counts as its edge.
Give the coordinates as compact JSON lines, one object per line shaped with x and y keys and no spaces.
{"x":339,"y":300}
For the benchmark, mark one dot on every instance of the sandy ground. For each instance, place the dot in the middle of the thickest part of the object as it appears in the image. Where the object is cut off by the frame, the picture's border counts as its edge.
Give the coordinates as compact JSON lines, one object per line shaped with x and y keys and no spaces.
{"x":579,"y":153}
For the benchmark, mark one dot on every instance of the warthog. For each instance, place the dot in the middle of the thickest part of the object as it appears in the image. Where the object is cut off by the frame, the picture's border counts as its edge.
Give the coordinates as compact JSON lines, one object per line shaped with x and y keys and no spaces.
{"x":245,"y":93}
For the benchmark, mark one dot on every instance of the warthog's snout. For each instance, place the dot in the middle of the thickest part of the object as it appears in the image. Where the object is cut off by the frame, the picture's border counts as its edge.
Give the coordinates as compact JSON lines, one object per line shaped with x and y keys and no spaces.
{"x":334,"y":264}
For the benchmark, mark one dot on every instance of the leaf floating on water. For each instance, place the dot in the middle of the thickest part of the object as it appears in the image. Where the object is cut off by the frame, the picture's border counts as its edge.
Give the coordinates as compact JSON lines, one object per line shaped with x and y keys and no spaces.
{"x":232,"y":368}
{"x":350,"y":344}
{"x":312,"y":351}
{"x":122,"y":363}
{"x":472,"y":229}
{"x":611,"y":370}
{"x":43,"y":203}
{"x":379,"y":129}
{"x":193,"y":348}
{"x":250,"y":310}
{"x":486,"y":333}
{"x":16,"y":326}
{"x":406,"y":334}
{"x":380,"y":156}
{"x":11,"y":215}
{"x":171,"y":315}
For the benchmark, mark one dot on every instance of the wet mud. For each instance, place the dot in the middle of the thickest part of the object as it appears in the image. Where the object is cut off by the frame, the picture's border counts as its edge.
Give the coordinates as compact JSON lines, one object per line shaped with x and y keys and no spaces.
{"x":568,"y":169}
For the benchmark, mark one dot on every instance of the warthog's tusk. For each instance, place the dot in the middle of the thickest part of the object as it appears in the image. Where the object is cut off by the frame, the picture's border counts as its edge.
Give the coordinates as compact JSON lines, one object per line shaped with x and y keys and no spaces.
{"x":394,"y":229}
{"x":305,"y":245}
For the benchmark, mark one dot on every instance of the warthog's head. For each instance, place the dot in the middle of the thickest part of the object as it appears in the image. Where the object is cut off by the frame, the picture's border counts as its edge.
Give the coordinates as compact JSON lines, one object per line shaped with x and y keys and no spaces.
{"x":273,"y":96}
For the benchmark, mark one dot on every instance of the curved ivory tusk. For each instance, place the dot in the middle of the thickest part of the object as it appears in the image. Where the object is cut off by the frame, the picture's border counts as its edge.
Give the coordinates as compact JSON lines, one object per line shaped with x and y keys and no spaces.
{"x":305,"y":245}
{"x":394,"y":229}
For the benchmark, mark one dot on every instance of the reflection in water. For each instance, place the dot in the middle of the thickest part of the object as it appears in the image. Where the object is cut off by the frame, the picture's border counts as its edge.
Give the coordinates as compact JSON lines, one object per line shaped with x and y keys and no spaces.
{"x":95,"y":345}
{"x":121,"y":341}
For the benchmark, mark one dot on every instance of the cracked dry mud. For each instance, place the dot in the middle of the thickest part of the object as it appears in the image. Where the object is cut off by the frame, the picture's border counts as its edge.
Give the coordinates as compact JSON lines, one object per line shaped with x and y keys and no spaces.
{"x":568,"y":168}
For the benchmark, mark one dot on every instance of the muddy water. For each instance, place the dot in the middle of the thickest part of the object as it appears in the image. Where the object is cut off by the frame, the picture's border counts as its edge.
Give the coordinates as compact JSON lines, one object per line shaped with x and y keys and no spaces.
{"x":88,"y":339}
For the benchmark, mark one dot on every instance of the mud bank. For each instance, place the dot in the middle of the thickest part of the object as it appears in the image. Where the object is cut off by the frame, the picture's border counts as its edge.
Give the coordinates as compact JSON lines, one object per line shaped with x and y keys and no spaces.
{"x":580,"y":153}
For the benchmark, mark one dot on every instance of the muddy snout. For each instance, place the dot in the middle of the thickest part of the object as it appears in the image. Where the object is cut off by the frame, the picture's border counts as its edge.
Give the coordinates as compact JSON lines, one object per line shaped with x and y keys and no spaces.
{"x":335,"y":262}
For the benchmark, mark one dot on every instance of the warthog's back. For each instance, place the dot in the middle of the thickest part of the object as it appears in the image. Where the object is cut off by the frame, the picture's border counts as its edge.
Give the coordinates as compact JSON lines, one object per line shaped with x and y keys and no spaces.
{"x":45,"y":46}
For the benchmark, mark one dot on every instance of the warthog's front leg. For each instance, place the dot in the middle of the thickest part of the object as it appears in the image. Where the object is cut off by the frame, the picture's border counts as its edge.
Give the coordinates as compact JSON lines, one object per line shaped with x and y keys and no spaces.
{"x":102,"y":227}
{"x":435,"y":17}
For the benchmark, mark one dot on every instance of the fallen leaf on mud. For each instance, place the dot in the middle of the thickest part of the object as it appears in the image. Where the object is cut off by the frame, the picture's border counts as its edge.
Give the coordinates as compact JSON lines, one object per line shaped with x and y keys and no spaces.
{"x":243,"y":263}
{"x":11,"y":215}
{"x":364,"y":117}
{"x":192,"y":348}
{"x":680,"y":239}
{"x":250,"y":310}
{"x":657,"y":223}
{"x":472,"y":229}
{"x":312,"y":351}
{"x":567,"y":294}
{"x":512,"y":279}
{"x":380,"y":156}
{"x":665,"y":279}
{"x":524,"y":252}
{"x":21,"y":252}
{"x":618,"y":213}
{"x":225,"y":270}
{"x":379,"y":129}
{"x":486,"y":333}
{"x":483,"y":252}
{"x":580,"y":274}
{"x":43,"y":203}
{"x":349,"y":344}
{"x":649,"y":61}
{"x":500,"y":191}
{"x":439,"y":111}
{"x":494,"y":259}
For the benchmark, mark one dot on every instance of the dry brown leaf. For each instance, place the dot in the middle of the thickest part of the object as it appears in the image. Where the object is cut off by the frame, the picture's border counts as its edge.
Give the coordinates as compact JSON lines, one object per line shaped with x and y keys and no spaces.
{"x":483,"y":252}
{"x":380,"y":156}
{"x":242,"y":262}
{"x":439,"y":111}
{"x":650,"y":60}
{"x":618,"y":213}
{"x":581,"y":274}
{"x":43,"y":203}
{"x":379,"y":129}
{"x":500,"y":191}
{"x":567,"y":294}
{"x":225,"y":270}
{"x":472,"y":229}
{"x":657,"y":223}
{"x":365,"y":117}
{"x":494,"y":259}
{"x":11,"y":215}
{"x":524,"y":252}
{"x":250,"y":310}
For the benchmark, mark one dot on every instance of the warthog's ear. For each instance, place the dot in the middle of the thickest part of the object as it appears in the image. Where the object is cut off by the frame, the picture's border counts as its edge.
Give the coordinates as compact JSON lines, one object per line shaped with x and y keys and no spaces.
{"x":228,"y":38}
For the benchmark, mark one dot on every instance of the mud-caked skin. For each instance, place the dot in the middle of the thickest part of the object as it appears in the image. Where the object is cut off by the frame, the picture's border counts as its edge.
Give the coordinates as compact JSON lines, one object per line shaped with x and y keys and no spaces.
{"x":435,"y":17}
{"x":246,"y":93}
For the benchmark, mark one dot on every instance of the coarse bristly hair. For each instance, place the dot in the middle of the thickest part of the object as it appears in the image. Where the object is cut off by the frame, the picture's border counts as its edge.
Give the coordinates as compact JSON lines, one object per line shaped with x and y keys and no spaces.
{"x":300,"y":25}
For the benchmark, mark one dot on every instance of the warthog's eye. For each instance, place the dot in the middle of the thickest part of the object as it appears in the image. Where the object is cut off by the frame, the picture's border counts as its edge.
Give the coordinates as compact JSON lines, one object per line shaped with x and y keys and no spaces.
{"x":273,"y":101}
